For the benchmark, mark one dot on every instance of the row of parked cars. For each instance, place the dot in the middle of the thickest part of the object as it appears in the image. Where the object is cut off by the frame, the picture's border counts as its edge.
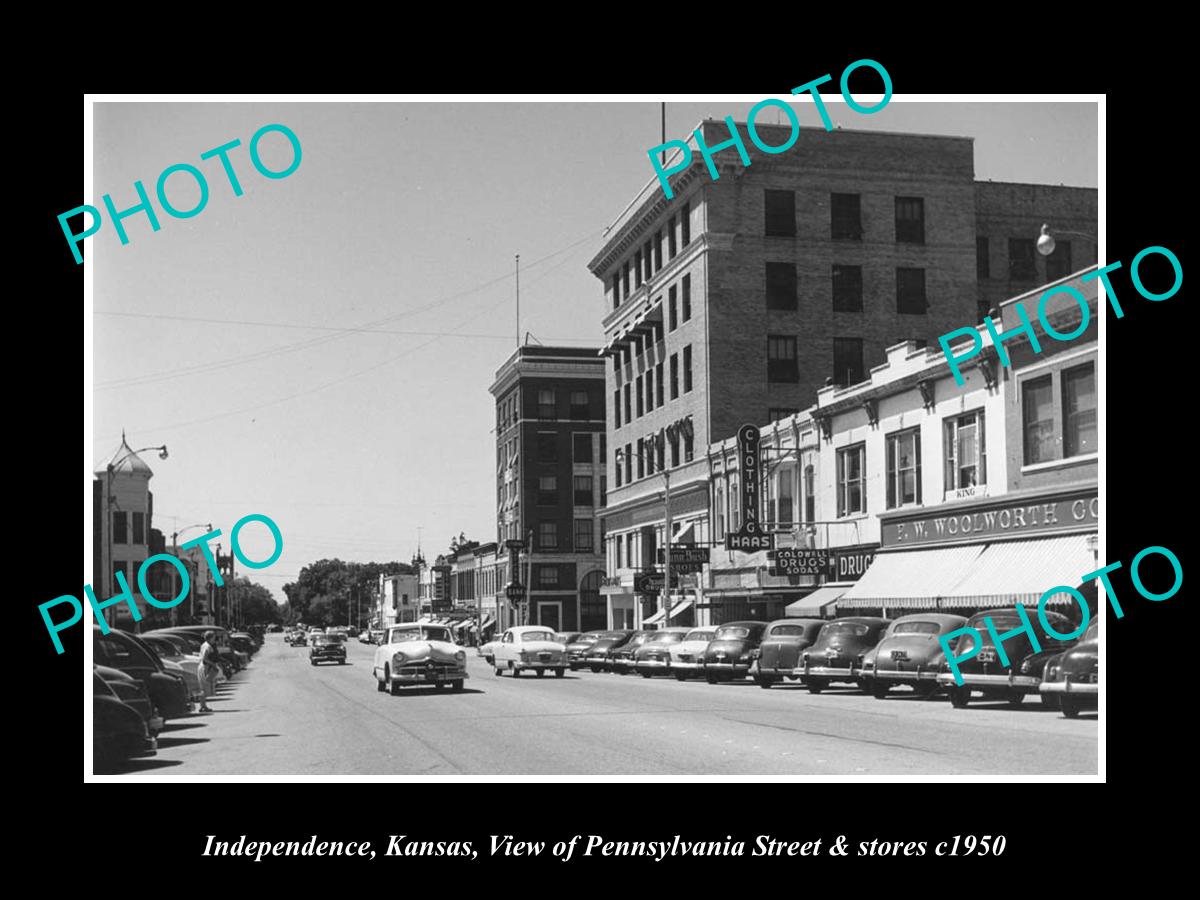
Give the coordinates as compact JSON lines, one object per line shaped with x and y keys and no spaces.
{"x":876,"y":655}
{"x":141,"y":681}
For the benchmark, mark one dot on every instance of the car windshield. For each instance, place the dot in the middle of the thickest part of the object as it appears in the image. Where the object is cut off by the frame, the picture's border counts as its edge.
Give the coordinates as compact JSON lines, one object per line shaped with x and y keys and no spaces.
{"x":787,"y":631}
{"x":671,"y":637}
{"x":916,"y":628}
{"x":732,"y":633}
{"x":845,"y":629}
{"x":699,"y":634}
{"x":326,"y":639}
{"x":425,"y":633}
{"x":530,"y":636}
{"x":119,"y":652}
{"x":611,"y":635}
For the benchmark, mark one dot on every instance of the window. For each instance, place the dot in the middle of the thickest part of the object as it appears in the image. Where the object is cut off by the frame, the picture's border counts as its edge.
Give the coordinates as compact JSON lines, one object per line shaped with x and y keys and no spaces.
{"x":648,"y":449}
{"x":672,"y":313}
{"x":735,"y":517}
{"x":781,"y":359}
{"x":628,"y":463}
{"x":641,"y":458}
{"x":910,"y":291}
{"x":689,"y":448}
{"x":780,"y":209}
{"x":603,"y":446}
{"x":687,"y":368}
{"x":580,"y":408}
{"x":625,"y":278}
{"x":628,"y":407}
{"x":903,"y":468}
{"x":685,"y":222}
{"x":582,"y":490}
{"x":581,"y":448}
{"x":641,"y":406}
{"x":546,"y":409}
{"x":1058,"y":263}
{"x":1079,"y":414}
{"x":673,"y":440}
{"x":120,"y":527}
{"x":718,"y":511}
{"x":649,"y":390}
{"x":660,"y":450}
{"x":910,"y":220}
{"x":781,"y":285}
{"x":966,"y":451}
{"x":687,"y":297}
{"x":547,"y":535}
{"x":139,"y":524}
{"x":672,"y":241}
{"x":547,"y":447}
{"x":1037,"y":417}
{"x":547,"y":492}
{"x":982,"y":268}
{"x":847,"y":289}
{"x":646,"y":258}
{"x":845,"y":217}
{"x":637,"y":269}
{"x":617,"y":467}
{"x":616,"y":290}
{"x":658,"y":376}
{"x":629,"y":549}
{"x":850,"y":480}
{"x":603,"y":490}
{"x":617,"y":408}
{"x":674,"y":376}
{"x":786,"y":501}
{"x":775,"y":413}
{"x":1022,"y":264}
{"x":583,"y":535}
{"x":657,"y":250}
{"x":810,"y":494}
{"x":847,"y":361}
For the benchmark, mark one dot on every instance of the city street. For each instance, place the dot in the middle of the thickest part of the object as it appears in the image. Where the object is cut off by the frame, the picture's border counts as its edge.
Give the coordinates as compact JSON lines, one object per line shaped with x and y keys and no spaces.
{"x":282,"y":716}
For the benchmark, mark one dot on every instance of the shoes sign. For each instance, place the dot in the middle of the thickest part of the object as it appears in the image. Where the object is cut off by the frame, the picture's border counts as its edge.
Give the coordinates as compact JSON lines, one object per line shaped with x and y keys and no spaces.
{"x":750,"y":537}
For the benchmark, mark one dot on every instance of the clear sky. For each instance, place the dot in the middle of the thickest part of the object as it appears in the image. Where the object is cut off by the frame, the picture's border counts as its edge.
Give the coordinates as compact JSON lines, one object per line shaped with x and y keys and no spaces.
{"x":226,"y":336}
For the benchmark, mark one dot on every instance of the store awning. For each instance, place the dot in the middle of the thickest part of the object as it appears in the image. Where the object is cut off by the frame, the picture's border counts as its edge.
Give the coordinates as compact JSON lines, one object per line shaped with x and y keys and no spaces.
{"x":487,"y":621}
{"x":1012,"y":572}
{"x":911,"y":579}
{"x":648,"y":321}
{"x":814,"y":604}
{"x":681,"y":606}
{"x":687,"y":535}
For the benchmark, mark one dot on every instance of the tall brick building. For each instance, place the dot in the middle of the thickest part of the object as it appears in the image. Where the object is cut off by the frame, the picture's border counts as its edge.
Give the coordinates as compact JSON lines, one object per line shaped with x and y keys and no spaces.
{"x":550,"y":450}
{"x":738,"y":299}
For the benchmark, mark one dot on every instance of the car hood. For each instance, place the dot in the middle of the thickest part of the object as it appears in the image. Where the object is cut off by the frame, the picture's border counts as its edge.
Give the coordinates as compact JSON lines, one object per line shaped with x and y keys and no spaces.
{"x":1081,"y":658}
{"x":439,"y":651}
{"x":111,"y":675}
{"x":606,"y":644}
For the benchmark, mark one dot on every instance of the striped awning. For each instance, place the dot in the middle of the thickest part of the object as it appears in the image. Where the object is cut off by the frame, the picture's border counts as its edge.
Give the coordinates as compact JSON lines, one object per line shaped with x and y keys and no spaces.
{"x":816,"y":603}
{"x":911,"y":579}
{"x":1012,"y":572}
{"x":679,"y":607}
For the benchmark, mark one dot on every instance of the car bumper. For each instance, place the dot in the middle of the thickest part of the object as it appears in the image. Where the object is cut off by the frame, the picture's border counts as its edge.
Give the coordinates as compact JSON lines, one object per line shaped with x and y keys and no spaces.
{"x":735,"y":668}
{"x":341,"y":657}
{"x":539,"y":664}
{"x":1021,"y":682}
{"x":1084,"y":688}
{"x":434,"y":677}
{"x":895,"y":675}
{"x":653,"y":665}
{"x":689,"y":665}
{"x":827,"y":672}
{"x":595,"y":661}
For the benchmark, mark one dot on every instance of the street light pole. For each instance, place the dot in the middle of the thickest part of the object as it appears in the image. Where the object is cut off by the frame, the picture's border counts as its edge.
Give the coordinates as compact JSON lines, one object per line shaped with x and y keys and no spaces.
{"x":666,"y":594}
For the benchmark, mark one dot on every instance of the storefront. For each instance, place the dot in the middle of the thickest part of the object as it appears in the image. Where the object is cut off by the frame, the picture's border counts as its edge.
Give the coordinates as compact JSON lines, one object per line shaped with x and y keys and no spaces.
{"x":844,"y":566}
{"x":982,"y":553}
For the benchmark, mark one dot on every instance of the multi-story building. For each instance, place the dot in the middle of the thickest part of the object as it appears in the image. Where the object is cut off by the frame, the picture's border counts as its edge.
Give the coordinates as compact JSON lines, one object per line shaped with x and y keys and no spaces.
{"x":742,"y":297}
{"x":399,"y":602}
{"x":550,"y":482}
{"x":123,"y":508}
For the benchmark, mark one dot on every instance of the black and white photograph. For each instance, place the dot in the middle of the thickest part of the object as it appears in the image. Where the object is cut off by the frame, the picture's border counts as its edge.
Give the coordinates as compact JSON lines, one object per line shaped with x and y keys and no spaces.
{"x":528,"y":437}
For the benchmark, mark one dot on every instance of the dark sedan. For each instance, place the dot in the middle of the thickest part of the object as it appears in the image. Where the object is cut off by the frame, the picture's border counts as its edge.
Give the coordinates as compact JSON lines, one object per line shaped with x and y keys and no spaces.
{"x":578,"y":648}
{"x":654,"y":656}
{"x":1074,"y":676}
{"x":621,"y":659}
{"x":909,"y":653}
{"x":731,"y":651}
{"x":125,"y":652}
{"x":985,"y":672}
{"x":780,"y":649}
{"x":133,"y":694}
{"x":597,"y":655}
{"x":327,"y":648}
{"x":838,"y":652}
{"x":118,"y":731}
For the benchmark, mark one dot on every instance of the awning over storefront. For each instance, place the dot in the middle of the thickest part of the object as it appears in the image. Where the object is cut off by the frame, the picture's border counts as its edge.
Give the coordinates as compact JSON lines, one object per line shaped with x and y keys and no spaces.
{"x":814,"y":604}
{"x":687,"y":534}
{"x":1012,"y":572}
{"x":681,"y":606}
{"x":487,"y":622}
{"x":911,"y":579}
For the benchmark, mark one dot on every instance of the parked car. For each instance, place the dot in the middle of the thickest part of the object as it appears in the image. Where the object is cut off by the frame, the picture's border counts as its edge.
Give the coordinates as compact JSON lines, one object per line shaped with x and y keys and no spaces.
{"x":377,"y":636}
{"x":596,"y":657}
{"x":364,"y":636}
{"x":910,"y":653}
{"x":779,"y":652}
{"x":687,"y":657}
{"x":327,"y":648}
{"x":133,"y":694}
{"x":352,"y":632}
{"x":415,"y":653}
{"x":530,"y":647}
{"x":729,"y":654}
{"x":1073,"y":676}
{"x":985,"y":673}
{"x":566,"y":637}
{"x":488,"y":650}
{"x":118,"y":731}
{"x":169,"y":650}
{"x":123,"y":651}
{"x":653,"y":657}
{"x":578,"y":648}
{"x":243,"y":642}
{"x":299,"y":638}
{"x":837,"y":654}
{"x":620,"y":659}
{"x":229,"y":658}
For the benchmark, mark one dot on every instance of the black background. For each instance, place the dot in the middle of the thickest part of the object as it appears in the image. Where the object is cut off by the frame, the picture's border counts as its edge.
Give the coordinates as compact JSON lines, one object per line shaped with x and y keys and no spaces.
{"x":151,"y":835}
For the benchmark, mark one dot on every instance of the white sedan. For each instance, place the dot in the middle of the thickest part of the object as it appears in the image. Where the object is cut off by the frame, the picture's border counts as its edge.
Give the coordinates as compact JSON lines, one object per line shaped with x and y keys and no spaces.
{"x":529,"y":647}
{"x":415,"y":653}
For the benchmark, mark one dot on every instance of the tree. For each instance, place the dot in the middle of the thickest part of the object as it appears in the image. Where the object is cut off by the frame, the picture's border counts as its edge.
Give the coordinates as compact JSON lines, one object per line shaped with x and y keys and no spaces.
{"x":257,"y":605}
{"x":331,"y":592}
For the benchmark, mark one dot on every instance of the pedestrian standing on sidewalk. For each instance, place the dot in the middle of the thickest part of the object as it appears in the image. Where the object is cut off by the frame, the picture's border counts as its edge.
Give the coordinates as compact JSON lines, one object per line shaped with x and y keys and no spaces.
{"x":208,"y":669}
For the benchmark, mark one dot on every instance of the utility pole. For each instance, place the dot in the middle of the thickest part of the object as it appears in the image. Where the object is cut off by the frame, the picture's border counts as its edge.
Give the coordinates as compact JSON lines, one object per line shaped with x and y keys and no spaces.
{"x":528,"y":579}
{"x":518,"y":300}
{"x":666,"y":594}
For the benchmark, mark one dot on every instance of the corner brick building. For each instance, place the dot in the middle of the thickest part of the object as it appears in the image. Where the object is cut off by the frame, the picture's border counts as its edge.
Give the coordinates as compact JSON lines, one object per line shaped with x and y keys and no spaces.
{"x":738,"y":299}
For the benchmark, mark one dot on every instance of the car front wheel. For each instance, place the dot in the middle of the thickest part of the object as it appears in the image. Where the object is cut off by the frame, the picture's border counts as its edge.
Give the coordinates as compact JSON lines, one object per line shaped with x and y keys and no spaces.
{"x":1069,"y":707}
{"x":516,"y":673}
{"x":380,"y":685}
{"x":456,"y":685}
{"x":541,"y":673}
{"x":681,"y":676}
{"x":559,"y":672}
{"x":393,"y":686}
{"x":960,"y":697}
{"x":814,"y":686}
{"x":879,"y":689}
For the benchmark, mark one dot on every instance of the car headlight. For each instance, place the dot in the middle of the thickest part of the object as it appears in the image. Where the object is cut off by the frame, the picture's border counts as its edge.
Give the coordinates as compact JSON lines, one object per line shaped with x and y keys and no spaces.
{"x":755,"y":653}
{"x":1051,"y":672}
{"x":461,"y":656}
{"x":1026,"y":666}
{"x":398,"y":659}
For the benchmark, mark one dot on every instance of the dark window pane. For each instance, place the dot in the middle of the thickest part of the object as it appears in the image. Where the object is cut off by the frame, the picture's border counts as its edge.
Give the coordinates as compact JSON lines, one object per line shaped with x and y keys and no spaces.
{"x":581,"y":448}
{"x":1022,"y":259}
{"x":1037,"y":416}
{"x":845,"y":218}
{"x":910,"y":291}
{"x":547,"y":448}
{"x":847,"y":289}
{"x":582,"y":490}
{"x":781,"y":285}
{"x":780,"y":209}
{"x":1079,"y":411}
{"x":672,"y":317}
{"x":687,"y":297}
{"x":685,"y":218}
{"x":674,"y":375}
{"x":687,"y":368}
{"x":781,"y":359}
{"x":1058,"y":263}
{"x":910,"y":220}
{"x":982,"y":267}
{"x":847,"y":361}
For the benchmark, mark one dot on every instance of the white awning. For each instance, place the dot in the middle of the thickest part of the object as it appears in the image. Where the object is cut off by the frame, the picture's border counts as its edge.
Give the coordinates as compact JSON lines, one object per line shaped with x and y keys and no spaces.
{"x":814,"y":605}
{"x":681,"y":606}
{"x":1012,"y":572}
{"x":911,"y":579}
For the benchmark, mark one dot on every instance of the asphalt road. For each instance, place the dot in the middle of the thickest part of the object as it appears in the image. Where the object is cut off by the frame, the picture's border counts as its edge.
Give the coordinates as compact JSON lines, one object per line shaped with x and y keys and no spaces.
{"x":283,"y":717}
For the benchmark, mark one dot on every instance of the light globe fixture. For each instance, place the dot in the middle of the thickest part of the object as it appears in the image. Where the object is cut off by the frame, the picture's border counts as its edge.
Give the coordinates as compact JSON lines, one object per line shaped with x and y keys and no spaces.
{"x":1045,"y":241}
